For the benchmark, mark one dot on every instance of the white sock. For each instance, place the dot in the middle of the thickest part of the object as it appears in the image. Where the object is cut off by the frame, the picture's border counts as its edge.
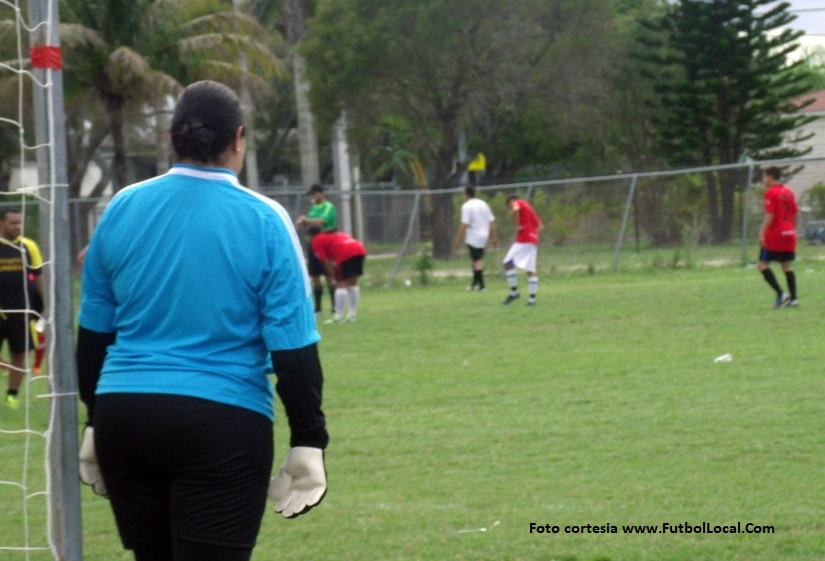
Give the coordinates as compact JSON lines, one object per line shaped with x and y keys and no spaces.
{"x":354,"y":295}
{"x":340,"y":302}
{"x":532,"y":285}
{"x":512,"y":278}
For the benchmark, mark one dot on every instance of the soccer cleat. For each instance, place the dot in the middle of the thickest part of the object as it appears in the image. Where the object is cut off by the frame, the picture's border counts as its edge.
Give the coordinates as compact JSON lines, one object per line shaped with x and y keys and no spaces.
{"x":37,"y":371}
{"x":512,"y":297}
{"x":334,"y":320}
{"x":351,"y":318}
{"x":11,"y":401}
{"x":531,"y":301}
{"x":792,"y":303}
{"x":781,"y":301}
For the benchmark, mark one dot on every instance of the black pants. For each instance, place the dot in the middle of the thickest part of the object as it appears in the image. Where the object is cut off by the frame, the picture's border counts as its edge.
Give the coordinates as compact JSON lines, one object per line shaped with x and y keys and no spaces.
{"x":184,"y":470}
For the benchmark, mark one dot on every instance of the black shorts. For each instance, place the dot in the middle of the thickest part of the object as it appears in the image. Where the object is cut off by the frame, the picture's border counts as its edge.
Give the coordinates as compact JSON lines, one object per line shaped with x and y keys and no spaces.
{"x":185,"y":467}
{"x":476,"y":253}
{"x":766,"y":256}
{"x":314,"y":266}
{"x":13,"y":330}
{"x":352,"y":267}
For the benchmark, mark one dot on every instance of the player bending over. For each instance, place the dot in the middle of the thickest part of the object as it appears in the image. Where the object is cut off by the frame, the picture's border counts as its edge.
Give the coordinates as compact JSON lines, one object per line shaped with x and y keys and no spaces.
{"x":343,"y":256}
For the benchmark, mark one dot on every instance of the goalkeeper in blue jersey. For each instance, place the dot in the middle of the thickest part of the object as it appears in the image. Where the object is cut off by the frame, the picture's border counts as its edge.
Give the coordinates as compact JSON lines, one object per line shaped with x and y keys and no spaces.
{"x":190,"y":283}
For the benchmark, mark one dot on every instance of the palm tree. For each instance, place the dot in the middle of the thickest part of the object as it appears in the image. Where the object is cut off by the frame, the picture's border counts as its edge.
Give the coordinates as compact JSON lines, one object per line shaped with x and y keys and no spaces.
{"x":293,"y":11}
{"x":123,"y":52}
{"x":10,"y":82}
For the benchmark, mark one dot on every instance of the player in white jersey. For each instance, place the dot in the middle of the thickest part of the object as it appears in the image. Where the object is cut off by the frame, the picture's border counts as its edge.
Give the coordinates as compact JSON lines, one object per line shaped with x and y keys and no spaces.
{"x":478,"y":224}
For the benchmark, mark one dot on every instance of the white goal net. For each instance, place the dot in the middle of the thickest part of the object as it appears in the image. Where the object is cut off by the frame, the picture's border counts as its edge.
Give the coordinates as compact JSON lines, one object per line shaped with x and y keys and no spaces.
{"x":39,"y":490}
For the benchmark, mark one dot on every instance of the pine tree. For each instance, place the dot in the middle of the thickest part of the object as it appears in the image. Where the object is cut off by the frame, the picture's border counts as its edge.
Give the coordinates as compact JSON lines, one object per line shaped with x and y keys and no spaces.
{"x":725,"y":84}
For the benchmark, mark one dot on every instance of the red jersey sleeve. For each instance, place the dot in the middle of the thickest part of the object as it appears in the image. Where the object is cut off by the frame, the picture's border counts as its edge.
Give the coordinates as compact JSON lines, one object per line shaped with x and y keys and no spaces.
{"x":319,"y":247}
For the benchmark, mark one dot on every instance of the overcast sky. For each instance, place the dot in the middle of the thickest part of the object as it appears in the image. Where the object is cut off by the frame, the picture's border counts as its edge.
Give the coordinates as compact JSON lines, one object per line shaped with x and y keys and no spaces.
{"x":810,"y":17}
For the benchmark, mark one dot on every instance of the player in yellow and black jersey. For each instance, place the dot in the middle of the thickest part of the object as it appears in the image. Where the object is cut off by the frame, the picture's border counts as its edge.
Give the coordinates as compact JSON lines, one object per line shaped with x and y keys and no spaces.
{"x":21,"y":291}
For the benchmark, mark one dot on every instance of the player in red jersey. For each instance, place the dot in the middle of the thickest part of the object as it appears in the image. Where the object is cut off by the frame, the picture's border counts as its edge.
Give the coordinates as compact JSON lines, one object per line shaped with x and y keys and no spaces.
{"x":777,"y":236}
{"x":523,"y":253}
{"x":343,"y":256}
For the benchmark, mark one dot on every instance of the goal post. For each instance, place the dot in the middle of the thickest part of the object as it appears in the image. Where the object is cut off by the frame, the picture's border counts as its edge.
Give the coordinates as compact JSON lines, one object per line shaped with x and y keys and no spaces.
{"x":64,"y":512}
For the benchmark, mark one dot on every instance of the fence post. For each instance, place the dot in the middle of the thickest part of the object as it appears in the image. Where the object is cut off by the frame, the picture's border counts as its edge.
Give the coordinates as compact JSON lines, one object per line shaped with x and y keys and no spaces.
{"x":745,"y":209}
{"x":410,"y":225}
{"x":627,"y":207}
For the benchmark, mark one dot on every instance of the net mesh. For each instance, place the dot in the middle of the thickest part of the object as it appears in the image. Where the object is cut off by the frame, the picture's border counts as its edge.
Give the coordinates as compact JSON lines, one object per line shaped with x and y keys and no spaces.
{"x":27,"y":425}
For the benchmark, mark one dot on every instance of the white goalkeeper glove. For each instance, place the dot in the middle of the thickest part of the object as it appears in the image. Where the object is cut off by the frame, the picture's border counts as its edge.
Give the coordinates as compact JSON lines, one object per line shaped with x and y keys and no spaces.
{"x":89,"y":470}
{"x":301,"y":482}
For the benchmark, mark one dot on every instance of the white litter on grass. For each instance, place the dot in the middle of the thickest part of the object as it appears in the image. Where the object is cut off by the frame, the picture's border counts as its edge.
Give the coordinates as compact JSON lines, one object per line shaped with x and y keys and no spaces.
{"x":727,"y":357}
{"x":473,"y":530}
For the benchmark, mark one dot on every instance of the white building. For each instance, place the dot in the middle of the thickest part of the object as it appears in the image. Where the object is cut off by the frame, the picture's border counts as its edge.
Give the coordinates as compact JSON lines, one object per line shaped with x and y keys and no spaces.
{"x":813,"y":172}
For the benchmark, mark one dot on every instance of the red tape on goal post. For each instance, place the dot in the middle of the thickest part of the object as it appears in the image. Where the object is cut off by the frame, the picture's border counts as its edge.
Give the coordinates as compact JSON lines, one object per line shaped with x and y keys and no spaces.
{"x":47,"y":57}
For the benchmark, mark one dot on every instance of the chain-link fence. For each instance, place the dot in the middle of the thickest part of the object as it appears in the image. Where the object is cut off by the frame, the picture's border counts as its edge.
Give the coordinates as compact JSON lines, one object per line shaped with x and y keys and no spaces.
{"x":595,"y":223}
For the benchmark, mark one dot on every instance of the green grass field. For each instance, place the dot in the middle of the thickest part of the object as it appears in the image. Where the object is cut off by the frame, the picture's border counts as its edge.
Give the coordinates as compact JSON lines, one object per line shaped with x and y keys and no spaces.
{"x":456,"y":422}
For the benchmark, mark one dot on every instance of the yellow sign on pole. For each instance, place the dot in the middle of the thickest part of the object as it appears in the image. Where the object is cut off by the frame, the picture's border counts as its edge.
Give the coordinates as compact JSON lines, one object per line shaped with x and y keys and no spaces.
{"x":479,"y":163}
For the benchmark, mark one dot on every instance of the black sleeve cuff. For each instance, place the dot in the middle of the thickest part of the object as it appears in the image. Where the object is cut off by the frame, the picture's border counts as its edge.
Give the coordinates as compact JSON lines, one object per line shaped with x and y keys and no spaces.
{"x":300,"y":387}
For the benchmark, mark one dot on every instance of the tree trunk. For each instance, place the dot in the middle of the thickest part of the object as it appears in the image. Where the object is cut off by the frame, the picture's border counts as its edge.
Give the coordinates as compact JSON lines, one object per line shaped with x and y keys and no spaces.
{"x":163,"y":153}
{"x":660,"y":225}
{"x":727,"y":180}
{"x":114,"y":111}
{"x":5,"y":170}
{"x":293,"y":13}
{"x":442,"y":222}
{"x":447,"y":176}
{"x":81,"y":155}
{"x":307,"y":140}
{"x":713,"y":207}
{"x":443,"y":209}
